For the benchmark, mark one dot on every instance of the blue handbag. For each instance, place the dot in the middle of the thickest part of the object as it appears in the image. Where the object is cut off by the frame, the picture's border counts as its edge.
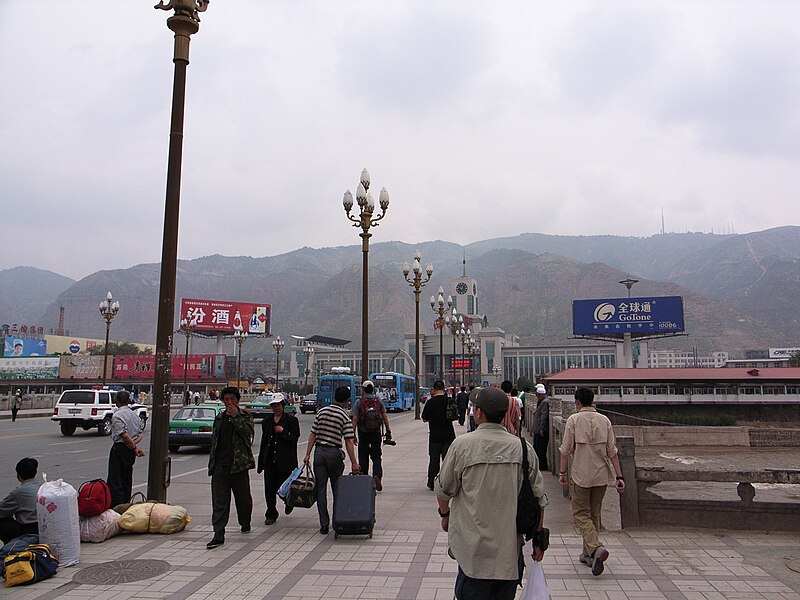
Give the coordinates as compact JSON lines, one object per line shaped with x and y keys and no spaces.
{"x":283,"y":491}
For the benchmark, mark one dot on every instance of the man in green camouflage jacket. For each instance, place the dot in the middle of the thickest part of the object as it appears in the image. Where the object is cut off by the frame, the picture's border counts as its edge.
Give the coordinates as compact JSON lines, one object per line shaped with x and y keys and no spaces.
{"x":229,"y":466}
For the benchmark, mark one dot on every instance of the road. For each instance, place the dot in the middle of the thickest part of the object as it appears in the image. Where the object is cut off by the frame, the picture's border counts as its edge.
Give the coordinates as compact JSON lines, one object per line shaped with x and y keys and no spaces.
{"x":84,"y":455}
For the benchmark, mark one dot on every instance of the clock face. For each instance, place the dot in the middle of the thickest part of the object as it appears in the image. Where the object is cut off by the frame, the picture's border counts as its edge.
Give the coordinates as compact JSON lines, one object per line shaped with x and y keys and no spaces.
{"x":461,"y":288}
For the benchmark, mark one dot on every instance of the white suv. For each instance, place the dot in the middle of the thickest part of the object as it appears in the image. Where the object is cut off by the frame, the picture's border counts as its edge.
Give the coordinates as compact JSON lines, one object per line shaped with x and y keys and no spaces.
{"x":88,"y":409}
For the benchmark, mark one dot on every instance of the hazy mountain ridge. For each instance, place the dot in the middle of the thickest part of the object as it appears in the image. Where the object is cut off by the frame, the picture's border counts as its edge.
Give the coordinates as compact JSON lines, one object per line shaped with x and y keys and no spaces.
{"x":26,"y":292}
{"x":738,"y":289}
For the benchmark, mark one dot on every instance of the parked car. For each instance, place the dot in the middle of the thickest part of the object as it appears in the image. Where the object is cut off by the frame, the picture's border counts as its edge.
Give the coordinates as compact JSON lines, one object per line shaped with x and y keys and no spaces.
{"x":192,"y":425}
{"x":88,"y":409}
{"x":259,"y":406}
{"x":309,"y":403}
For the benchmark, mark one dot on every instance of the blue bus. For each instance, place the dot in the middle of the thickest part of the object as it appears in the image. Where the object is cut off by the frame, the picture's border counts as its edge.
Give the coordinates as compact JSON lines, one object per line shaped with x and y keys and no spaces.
{"x":395,"y":389}
{"x":327,"y":384}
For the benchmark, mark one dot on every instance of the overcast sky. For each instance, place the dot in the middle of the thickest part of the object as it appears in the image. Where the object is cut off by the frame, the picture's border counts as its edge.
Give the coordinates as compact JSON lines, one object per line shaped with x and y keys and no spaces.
{"x":483,"y":119}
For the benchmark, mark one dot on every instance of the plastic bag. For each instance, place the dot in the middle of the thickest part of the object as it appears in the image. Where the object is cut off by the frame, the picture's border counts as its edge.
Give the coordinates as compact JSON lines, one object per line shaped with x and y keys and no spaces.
{"x":154,"y":517}
{"x":100,"y":528}
{"x":59,"y":525}
{"x":283,"y":491}
{"x":536,"y":586}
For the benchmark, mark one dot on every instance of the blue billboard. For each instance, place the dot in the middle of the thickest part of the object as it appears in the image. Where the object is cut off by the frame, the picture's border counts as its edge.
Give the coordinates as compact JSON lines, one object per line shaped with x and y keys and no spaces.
{"x":17,"y":346}
{"x":638,"y":316}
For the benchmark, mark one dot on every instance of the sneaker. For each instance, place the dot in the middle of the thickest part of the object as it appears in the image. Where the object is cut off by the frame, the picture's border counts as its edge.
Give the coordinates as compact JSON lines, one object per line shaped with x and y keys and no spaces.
{"x":599,"y":557}
{"x":324,"y":530}
{"x":245,"y":529}
{"x":288,"y":510}
{"x":378,"y":484}
{"x":214,"y":543}
{"x":430,"y":486}
{"x":585,"y":559}
{"x":269,"y":521}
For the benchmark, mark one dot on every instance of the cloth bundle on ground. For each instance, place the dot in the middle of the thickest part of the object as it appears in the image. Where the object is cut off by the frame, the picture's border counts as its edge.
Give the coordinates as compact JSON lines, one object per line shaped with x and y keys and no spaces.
{"x":59,"y":526}
{"x":100,"y":528}
{"x":137,"y":498}
{"x":35,"y":563}
{"x":154,"y":517}
{"x":18,"y":544}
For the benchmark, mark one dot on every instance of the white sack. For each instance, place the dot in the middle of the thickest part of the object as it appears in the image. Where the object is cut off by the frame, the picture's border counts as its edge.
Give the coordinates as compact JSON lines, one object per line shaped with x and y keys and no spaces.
{"x":59,"y":525}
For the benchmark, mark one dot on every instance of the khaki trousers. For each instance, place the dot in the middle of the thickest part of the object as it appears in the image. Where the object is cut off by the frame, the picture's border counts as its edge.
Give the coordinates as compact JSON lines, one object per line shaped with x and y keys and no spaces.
{"x":587,"y":505}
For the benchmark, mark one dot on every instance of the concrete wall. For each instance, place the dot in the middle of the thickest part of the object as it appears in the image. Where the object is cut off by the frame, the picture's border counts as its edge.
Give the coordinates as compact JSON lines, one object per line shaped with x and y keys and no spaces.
{"x":685,"y":435}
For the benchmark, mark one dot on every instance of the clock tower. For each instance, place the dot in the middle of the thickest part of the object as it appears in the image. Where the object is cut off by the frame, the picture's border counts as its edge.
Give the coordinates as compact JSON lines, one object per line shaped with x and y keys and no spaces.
{"x":465,"y":298}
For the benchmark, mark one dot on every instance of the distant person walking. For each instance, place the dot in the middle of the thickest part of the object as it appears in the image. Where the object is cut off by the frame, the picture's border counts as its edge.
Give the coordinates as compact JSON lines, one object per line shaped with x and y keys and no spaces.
{"x":277,"y":457}
{"x":16,"y":405}
{"x":369,"y":416}
{"x":126,"y":433}
{"x":512,"y":419}
{"x":331,"y":430}
{"x":589,"y":438}
{"x":462,"y":400}
{"x":229,"y":465}
{"x":441,"y":433}
{"x":541,"y":426}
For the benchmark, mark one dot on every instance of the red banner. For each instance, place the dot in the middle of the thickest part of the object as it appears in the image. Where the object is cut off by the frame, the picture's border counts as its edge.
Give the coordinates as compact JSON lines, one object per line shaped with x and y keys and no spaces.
{"x":219,"y":316}
{"x":143,"y":366}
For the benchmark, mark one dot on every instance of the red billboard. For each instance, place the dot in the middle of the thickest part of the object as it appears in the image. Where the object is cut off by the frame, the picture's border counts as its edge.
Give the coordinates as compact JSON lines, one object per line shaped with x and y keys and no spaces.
{"x":143,"y":366}
{"x":459,"y":363}
{"x":221,"y":316}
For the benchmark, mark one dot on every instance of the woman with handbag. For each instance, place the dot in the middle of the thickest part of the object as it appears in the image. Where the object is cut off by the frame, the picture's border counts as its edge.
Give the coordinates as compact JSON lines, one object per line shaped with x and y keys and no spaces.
{"x":277,"y":457}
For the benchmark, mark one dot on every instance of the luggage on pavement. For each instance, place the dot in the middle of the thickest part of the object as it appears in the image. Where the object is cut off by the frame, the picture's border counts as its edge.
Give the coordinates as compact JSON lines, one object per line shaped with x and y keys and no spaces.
{"x":59,"y":526}
{"x":303,"y":490}
{"x":94,"y":498}
{"x":154,"y":517}
{"x":354,"y":506}
{"x":33,"y":564}
{"x":100,"y":528}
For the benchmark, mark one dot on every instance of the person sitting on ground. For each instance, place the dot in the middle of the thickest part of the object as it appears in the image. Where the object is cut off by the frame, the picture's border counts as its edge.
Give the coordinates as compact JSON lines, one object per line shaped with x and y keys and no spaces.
{"x":18,"y":509}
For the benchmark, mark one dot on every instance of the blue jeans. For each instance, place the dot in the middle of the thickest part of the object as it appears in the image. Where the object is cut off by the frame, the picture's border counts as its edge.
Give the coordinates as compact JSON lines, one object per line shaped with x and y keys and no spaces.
{"x":328,"y":465}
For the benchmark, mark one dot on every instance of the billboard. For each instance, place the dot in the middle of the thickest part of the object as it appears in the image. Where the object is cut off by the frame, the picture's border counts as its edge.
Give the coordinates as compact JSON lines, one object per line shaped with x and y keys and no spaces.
{"x":460,"y":363}
{"x":81,"y":367}
{"x":219,"y":316}
{"x":17,"y":346}
{"x":143,"y":366}
{"x":638,"y":316}
{"x":29,"y":368}
{"x":783,"y":352}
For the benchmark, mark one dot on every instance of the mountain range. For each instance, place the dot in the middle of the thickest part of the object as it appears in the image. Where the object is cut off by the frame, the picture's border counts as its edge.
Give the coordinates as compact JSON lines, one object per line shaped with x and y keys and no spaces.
{"x":739,"y":290}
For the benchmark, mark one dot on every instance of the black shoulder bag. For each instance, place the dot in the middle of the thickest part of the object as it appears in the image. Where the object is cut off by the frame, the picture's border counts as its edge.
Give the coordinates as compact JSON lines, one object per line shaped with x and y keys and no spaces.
{"x":528,"y":510}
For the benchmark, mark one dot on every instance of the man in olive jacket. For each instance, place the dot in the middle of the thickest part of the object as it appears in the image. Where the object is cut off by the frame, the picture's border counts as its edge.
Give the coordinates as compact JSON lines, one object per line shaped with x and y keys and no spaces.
{"x":278,"y":454}
{"x":229,"y":464}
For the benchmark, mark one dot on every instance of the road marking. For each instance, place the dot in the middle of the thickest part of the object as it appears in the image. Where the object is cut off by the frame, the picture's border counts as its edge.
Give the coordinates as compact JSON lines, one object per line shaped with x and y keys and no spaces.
{"x":83,"y":460}
{"x":70,"y":442}
{"x":11,"y":437}
{"x":74,"y":451}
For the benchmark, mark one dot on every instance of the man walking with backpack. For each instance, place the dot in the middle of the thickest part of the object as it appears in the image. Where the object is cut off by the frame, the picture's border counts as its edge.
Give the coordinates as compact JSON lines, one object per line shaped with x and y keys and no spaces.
{"x":369,"y":415}
{"x":440,"y":424}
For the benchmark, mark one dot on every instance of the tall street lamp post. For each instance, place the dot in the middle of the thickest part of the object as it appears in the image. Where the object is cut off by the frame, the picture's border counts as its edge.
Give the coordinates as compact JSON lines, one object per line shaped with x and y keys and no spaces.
{"x":108,"y":309}
{"x":183,"y":23}
{"x":454,"y":321}
{"x":627,"y":345}
{"x":496,"y":371}
{"x":417,"y":282}
{"x":278,"y":344}
{"x":240,"y":337}
{"x":365,"y":221}
{"x":309,"y":352}
{"x":439,"y":306}
{"x":187,"y":328}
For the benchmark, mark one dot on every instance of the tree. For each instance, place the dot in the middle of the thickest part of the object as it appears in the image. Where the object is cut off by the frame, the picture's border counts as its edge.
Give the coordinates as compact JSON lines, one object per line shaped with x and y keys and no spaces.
{"x":115,"y":348}
{"x":524,"y":382}
{"x":794,"y":360}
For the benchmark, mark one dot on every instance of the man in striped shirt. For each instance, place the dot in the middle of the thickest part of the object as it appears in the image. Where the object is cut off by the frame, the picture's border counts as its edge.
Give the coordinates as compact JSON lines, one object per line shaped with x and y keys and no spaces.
{"x":332,"y":427}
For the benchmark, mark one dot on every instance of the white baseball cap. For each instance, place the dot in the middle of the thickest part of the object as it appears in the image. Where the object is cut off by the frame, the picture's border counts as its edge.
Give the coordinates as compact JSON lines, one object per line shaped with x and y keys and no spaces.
{"x":277,"y":398}
{"x":540,"y":389}
{"x":367,"y":383}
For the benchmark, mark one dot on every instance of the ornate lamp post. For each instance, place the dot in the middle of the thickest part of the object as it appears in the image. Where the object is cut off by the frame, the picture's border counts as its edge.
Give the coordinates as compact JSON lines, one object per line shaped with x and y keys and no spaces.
{"x":455,"y":322}
{"x":187,"y":328}
{"x":439,"y":306}
{"x":108,"y":309}
{"x":240,"y":337}
{"x":496,"y":371}
{"x":365,"y":221}
{"x":309,"y":352}
{"x":278,"y":344}
{"x":184,"y":23}
{"x":417,"y":283}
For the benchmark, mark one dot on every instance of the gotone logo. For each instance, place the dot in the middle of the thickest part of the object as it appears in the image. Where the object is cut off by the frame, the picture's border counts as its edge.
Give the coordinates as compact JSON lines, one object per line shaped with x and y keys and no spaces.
{"x":604,"y":312}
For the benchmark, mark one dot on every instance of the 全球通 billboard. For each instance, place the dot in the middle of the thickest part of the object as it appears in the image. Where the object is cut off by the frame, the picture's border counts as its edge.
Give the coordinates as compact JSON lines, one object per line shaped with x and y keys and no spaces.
{"x":638,"y":316}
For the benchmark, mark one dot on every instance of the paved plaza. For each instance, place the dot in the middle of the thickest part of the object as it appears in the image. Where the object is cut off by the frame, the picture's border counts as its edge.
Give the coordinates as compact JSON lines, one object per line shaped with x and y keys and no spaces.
{"x":406,"y":558}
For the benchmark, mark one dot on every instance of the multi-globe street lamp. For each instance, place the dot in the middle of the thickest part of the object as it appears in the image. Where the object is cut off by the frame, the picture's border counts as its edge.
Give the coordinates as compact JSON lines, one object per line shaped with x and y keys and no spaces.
{"x":439,"y":306}
{"x":365,"y":220}
{"x":278,"y":344}
{"x":496,"y":371}
{"x":187,"y":328}
{"x":463,"y":335}
{"x":455,"y":322}
{"x":240,"y":337}
{"x":108,"y":309}
{"x":417,"y":282}
{"x":309,"y":352}
{"x":184,"y":23}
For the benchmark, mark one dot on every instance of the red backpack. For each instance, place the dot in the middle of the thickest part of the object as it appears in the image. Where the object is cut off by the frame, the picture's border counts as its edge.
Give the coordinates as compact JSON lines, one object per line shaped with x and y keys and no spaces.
{"x":370,"y":418}
{"x":94,"y":498}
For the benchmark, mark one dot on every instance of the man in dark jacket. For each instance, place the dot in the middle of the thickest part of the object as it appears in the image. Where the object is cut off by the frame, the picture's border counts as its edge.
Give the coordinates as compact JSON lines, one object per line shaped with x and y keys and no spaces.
{"x":229,"y":465}
{"x":278,"y":455}
{"x":440,"y":427}
{"x":462,"y":400}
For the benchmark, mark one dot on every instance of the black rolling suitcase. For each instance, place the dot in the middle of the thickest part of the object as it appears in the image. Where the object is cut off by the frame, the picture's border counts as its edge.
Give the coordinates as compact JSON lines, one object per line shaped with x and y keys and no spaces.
{"x":354,"y":508}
